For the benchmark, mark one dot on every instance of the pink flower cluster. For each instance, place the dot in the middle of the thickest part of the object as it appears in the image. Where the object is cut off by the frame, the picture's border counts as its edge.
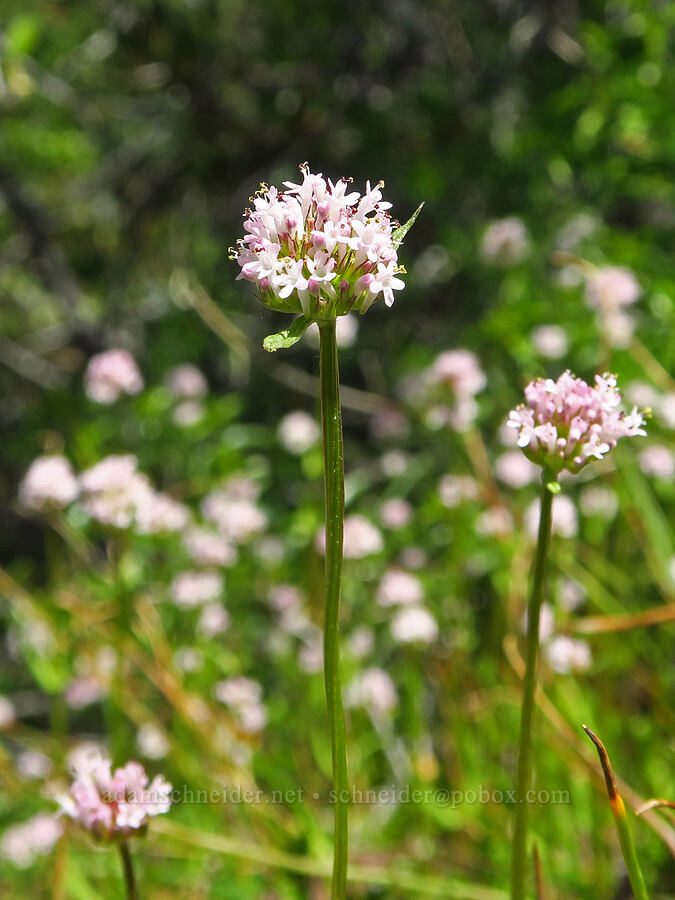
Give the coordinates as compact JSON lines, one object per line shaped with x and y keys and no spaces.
{"x":108,"y":803}
{"x":319,"y":248}
{"x":110,"y":374}
{"x":609,"y":291}
{"x":49,"y":483}
{"x":115,"y":493}
{"x":564,"y":424}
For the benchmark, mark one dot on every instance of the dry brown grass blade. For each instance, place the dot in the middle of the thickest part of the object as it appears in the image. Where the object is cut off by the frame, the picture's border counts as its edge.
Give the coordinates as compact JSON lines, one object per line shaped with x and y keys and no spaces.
{"x":657,"y":803}
{"x":603,"y":624}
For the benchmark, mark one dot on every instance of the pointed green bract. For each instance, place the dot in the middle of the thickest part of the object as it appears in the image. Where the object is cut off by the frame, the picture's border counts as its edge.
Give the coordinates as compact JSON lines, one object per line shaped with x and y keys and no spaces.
{"x":289,"y":336}
{"x":399,"y":233}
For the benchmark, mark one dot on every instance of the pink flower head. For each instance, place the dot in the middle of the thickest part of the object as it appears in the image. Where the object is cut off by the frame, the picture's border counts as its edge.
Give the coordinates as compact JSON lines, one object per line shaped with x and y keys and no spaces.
{"x":609,"y":290}
{"x":505,"y":242}
{"x":118,"y":803}
{"x":110,"y":374}
{"x":319,"y":248}
{"x":49,"y":483}
{"x":564,"y":424}
{"x":610,"y":287}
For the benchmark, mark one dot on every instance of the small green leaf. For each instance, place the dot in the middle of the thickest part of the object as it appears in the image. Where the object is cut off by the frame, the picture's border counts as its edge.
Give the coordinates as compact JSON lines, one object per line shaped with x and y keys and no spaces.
{"x":285,"y":339}
{"x":399,"y":233}
{"x":553,"y":487}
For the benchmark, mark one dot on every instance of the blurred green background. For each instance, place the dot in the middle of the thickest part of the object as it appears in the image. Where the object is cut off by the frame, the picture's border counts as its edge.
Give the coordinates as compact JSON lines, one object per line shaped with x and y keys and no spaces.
{"x":133,"y":134}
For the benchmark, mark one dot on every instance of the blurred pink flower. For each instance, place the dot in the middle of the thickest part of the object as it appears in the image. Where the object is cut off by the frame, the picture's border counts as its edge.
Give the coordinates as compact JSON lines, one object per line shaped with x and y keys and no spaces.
{"x":374,"y":689}
{"x":395,"y":513}
{"x":505,"y":242}
{"x":21,"y":844}
{"x":514,"y":469}
{"x":282,"y":597}
{"x":207,"y":548}
{"x":609,"y":287}
{"x":453,"y":489}
{"x":244,"y":697}
{"x":460,"y":371}
{"x":110,"y":374}
{"x":108,"y":803}
{"x":298,"y":431}
{"x":151,"y":741}
{"x":187,"y":382}
{"x":48,"y":483}
{"x":657,"y":461}
{"x":496,"y":520}
{"x":111,"y":490}
{"x":190,"y":589}
{"x":82,"y":692}
{"x":609,"y":290}
{"x":188,"y":413}
{"x":414,"y":624}
{"x":115,"y":493}
{"x":33,"y":764}
{"x":213,"y":620}
{"x":157,"y":513}
{"x":599,"y":501}
{"x":399,"y":588}
{"x":238,"y":517}
{"x":550,"y":341}
{"x":565,"y":654}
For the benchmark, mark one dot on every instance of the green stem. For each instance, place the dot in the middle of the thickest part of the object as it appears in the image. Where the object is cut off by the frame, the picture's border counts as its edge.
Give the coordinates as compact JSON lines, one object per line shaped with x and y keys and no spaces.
{"x":128,"y":869}
{"x":520,"y":860}
{"x":333,"y":457}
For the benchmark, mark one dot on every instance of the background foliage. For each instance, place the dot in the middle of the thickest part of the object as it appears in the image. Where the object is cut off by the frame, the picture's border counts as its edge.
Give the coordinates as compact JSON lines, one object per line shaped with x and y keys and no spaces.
{"x":133,"y":134}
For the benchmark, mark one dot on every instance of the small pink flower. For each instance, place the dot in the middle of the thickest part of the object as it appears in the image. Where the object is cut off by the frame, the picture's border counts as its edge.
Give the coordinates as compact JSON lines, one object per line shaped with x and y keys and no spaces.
{"x":374,"y":690}
{"x":610,"y":287}
{"x":318,"y":245}
{"x":414,"y":625}
{"x":567,"y":654}
{"x":657,"y":461}
{"x":505,"y":242}
{"x":565,"y":424}
{"x":514,"y":469}
{"x":49,"y":483}
{"x":609,"y":290}
{"x":395,"y":513}
{"x":23,"y":843}
{"x":550,"y":341}
{"x":399,"y":588}
{"x":110,"y":374}
{"x":207,"y":548}
{"x":190,"y":589}
{"x":187,"y":382}
{"x":298,"y":431}
{"x":108,"y":803}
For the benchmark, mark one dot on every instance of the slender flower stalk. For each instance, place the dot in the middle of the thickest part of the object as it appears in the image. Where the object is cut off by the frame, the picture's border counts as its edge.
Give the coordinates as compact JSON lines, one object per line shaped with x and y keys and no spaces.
{"x":321,"y":250}
{"x":520,"y":859}
{"x":618,"y":808}
{"x":333,"y":457}
{"x":128,"y":870}
{"x":562,"y":426}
